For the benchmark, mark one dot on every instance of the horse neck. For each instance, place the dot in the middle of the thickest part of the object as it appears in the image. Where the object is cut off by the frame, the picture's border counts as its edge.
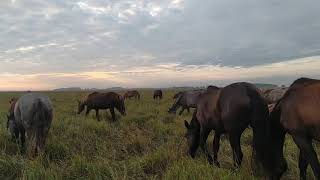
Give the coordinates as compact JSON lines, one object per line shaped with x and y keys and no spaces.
{"x":176,"y":104}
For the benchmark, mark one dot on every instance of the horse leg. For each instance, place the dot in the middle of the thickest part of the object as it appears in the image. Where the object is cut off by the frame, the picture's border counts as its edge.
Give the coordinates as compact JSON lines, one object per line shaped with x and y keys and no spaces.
{"x":303,"y":164}
{"x":97,"y":114}
{"x":88,"y":111}
{"x":113,"y":114}
{"x":203,"y":144}
{"x":309,"y":154}
{"x":216,"y":147}
{"x":236,"y":149}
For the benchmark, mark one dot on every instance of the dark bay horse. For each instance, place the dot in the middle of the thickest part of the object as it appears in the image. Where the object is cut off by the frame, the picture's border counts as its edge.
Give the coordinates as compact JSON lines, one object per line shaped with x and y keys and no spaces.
{"x":229,"y":110}
{"x":157,"y":94}
{"x":99,"y":101}
{"x":131,"y":94}
{"x":297,"y":114}
{"x":32,"y":115}
{"x":186,"y":100}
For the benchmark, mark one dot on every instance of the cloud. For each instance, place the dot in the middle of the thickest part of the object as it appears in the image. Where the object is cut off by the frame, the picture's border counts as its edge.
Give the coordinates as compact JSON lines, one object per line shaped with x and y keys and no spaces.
{"x":30,"y":48}
{"x":165,"y":75}
{"x":76,"y":36}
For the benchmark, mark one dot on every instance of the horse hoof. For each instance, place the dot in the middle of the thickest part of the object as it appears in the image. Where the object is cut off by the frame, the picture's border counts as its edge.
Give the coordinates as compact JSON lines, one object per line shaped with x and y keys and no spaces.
{"x":217,"y":164}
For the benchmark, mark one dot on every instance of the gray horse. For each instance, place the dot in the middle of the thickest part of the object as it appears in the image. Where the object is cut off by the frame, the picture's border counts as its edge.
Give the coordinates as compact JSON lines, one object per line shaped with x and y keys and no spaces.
{"x":186,"y":100}
{"x":32,"y":117}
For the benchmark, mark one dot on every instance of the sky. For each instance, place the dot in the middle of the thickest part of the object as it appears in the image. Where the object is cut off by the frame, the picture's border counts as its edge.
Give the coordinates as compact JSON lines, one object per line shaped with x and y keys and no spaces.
{"x":48,"y":44}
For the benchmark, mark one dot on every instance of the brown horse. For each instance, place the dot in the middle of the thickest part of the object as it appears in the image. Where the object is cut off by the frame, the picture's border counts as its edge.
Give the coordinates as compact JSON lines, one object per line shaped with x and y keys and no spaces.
{"x":99,"y":101}
{"x":157,"y":94}
{"x":297,"y":114}
{"x":131,"y":94}
{"x":229,"y":110}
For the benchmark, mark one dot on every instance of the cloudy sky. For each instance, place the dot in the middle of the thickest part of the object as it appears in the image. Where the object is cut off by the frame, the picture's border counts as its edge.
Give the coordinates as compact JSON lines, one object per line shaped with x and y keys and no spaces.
{"x":47,"y":44}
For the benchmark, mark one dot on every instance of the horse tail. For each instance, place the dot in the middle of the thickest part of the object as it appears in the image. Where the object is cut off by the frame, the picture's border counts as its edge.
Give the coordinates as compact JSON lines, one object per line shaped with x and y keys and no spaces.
{"x":41,"y":118}
{"x":40,"y":111}
{"x":260,"y":126}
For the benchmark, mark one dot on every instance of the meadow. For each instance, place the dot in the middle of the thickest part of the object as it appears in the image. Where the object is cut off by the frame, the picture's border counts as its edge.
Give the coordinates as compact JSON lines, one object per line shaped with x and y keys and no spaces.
{"x":148,"y":143}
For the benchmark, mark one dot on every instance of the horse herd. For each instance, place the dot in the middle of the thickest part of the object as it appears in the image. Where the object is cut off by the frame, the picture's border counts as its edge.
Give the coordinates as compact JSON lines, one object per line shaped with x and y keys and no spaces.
{"x":229,"y":110}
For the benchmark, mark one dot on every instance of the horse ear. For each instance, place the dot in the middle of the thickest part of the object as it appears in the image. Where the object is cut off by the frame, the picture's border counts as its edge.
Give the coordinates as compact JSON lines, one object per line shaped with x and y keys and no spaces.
{"x":186,"y":124}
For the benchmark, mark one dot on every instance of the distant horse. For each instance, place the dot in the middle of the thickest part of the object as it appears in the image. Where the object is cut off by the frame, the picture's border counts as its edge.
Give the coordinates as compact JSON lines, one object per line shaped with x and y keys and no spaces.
{"x":186,"y":100}
{"x":32,"y":116}
{"x":297,"y":113}
{"x":99,"y":101}
{"x":273,"y":95}
{"x":157,"y":94}
{"x":229,"y":110}
{"x":129,"y":94}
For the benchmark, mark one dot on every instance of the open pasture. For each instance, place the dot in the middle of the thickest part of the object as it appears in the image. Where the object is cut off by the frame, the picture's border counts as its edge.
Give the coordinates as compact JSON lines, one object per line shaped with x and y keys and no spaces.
{"x":148,"y":143}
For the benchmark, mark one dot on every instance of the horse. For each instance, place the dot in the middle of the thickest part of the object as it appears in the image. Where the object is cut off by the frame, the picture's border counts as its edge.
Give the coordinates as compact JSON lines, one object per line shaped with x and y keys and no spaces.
{"x":273,"y":95}
{"x":175,"y":96}
{"x":212,"y":88}
{"x":97,"y":101}
{"x":229,"y":110}
{"x":186,"y":100}
{"x":130,"y":94}
{"x":32,"y":117}
{"x":296,"y":113}
{"x":11,"y":124}
{"x":157,"y":94}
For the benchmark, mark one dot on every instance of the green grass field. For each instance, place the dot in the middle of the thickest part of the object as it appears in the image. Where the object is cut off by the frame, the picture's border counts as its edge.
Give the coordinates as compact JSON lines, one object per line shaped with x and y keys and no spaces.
{"x":148,"y":143}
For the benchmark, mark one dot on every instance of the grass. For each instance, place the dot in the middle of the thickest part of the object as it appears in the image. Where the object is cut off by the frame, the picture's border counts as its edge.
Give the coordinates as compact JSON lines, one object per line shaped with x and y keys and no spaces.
{"x":146,"y":144}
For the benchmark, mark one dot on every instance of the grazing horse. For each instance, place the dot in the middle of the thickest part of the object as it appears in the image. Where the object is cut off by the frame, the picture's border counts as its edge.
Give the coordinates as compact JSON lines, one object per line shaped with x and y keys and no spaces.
{"x":32,"y":116}
{"x":229,"y":110}
{"x":99,"y":101}
{"x":297,"y":114}
{"x":273,"y":95}
{"x":157,"y":94}
{"x":178,"y":94}
{"x":129,"y":94}
{"x":212,"y":88}
{"x":186,"y":100}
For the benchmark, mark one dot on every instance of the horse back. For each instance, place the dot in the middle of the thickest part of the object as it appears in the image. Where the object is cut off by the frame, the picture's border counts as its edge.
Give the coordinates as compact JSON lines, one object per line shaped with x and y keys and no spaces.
{"x":31,"y":104}
{"x":300,"y":107}
{"x":241,"y":104}
{"x":207,"y":112}
{"x":103,"y":100}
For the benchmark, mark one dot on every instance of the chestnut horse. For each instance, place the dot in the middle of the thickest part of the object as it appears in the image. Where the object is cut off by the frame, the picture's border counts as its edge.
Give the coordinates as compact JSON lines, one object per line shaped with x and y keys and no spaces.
{"x":129,"y":94}
{"x":297,"y":114}
{"x":229,"y":110}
